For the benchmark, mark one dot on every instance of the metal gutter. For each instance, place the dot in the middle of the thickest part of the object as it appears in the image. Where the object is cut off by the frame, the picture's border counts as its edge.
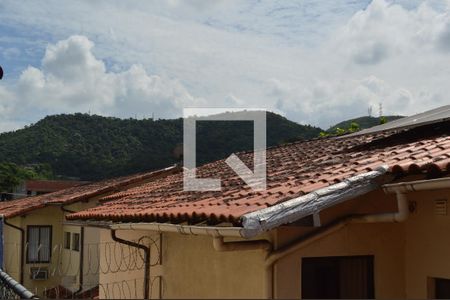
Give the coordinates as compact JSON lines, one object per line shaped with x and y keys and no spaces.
{"x":215,"y":231}
{"x":256,"y":223}
{"x":146,"y":260}
{"x":400,"y":189}
{"x":22,"y":245}
{"x":89,"y":223}
{"x":292,"y":210}
{"x":419,"y":185}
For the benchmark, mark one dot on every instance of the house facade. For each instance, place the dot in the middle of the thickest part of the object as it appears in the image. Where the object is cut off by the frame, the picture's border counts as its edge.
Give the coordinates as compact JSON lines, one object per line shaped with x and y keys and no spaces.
{"x":361,"y":216}
{"x":49,"y":257}
{"x":405,"y":259}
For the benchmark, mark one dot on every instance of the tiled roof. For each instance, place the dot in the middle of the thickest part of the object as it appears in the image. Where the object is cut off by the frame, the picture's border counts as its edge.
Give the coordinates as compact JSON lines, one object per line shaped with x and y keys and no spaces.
{"x":21,"y":206}
{"x":50,"y":185}
{"x":292,"y":170}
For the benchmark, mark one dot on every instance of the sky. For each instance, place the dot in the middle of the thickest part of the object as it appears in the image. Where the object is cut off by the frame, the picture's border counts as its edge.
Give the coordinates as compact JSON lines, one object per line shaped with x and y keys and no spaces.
{"x":315,"y":62}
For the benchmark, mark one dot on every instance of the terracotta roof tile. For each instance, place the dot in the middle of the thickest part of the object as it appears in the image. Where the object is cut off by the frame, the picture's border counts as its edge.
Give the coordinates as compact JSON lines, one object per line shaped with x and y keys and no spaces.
{"x":77,"y":193}
{"x":51,"y":185}
{"x":293,"y":169}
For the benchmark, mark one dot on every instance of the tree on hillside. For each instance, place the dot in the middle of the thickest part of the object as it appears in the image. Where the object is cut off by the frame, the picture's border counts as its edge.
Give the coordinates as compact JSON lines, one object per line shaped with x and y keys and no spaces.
{"x":12,"y":175}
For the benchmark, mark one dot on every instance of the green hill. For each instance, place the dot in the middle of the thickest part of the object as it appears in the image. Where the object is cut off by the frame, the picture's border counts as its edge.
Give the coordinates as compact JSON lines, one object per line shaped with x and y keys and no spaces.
{"x":95,"y":147}
{"x":363,"y":122}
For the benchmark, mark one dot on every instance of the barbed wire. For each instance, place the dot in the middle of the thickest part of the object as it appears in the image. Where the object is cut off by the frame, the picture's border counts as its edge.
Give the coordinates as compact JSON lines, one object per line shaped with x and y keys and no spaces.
{"x":100,"y":259}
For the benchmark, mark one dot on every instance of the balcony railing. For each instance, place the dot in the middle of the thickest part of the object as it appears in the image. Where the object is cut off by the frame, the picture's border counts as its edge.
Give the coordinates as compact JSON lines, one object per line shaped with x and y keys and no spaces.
{"x":11,"y":289}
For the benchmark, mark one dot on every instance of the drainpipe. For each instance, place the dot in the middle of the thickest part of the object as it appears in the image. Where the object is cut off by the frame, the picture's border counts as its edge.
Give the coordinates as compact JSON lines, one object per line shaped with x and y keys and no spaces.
{"x":397,"y":217}
{"x":146,"y":259}
{"x":22,"y":248}
{"x":217,"y":233}
{"x":399,"y":189}
{"x":273,"y":257}
{"x":419,"y":185}
{"x":400,"y":216}
{"x":221,"y":246}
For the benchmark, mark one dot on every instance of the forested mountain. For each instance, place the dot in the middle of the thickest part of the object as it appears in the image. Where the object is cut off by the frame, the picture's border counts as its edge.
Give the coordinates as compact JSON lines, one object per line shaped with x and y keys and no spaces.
{"x":91,"y":147}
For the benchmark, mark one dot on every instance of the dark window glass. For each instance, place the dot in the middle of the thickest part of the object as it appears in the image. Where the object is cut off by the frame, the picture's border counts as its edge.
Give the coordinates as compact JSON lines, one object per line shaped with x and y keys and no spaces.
{"x":76,"y":241}
{"x":442,"y":288}
{"x":338,"y":277}
{"x":67,"y":240}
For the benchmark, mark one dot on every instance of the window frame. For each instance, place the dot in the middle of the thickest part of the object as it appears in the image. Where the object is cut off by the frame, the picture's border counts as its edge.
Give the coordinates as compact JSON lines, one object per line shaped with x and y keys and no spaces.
{"x":38,"y":261}
{"x":76,"y":245}
{"x":67,"y":240}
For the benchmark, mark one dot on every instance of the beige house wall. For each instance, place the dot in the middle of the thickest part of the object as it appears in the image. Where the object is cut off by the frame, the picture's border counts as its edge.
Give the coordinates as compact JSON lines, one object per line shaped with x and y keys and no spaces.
{"x":64,"y":264}
{"x":45,"y":216}
{"x":190,"y":268}
{"x":384,"y":241}
{"x":193,"y":269}
{"x":121,"y":267}
{"x":91,"y":263}
{"x":406,"y":255}
{"x":12,"y":248}
{"x":427,"y":252}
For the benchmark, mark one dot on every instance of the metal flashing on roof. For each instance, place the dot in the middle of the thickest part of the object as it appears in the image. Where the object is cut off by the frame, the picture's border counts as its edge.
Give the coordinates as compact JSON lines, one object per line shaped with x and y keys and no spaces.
{"x":293,"y":170}
{"x":292,"y":210}
{"x":436,"y":115}
{"x":258,"y":222}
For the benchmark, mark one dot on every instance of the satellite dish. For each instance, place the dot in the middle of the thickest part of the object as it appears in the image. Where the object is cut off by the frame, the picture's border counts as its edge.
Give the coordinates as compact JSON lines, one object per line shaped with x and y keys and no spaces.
{"x":1,"y":72}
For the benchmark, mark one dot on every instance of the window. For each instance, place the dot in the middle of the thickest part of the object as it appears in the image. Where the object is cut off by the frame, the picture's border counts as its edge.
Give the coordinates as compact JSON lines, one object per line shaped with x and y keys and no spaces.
{"x":67,"y":240}
{"x":441,"y":288}
{"x":76,"y":242}
{"x":340,"y":277}
{"x":39,"y":244}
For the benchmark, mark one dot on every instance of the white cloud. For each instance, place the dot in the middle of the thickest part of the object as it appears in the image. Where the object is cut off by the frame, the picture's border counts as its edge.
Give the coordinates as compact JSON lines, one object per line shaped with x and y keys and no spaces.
{"x":316,"y":61}
{"x":72,"y":79}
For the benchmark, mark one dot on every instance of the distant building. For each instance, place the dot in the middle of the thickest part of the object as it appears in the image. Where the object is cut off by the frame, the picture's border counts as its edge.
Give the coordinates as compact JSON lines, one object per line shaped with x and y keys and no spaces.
{"x":44,"y":254}
{"x":40,"y":187}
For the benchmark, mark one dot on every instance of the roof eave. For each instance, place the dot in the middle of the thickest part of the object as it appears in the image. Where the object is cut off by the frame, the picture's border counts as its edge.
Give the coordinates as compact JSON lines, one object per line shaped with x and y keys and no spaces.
{"x":258,"y":222}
